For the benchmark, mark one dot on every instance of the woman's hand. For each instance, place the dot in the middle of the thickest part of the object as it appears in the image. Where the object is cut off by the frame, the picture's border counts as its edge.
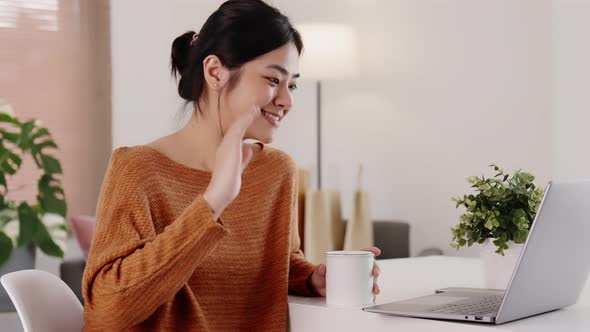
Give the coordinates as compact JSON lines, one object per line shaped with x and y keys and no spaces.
{"x":231,"y":158}
{"x":318,"y":277}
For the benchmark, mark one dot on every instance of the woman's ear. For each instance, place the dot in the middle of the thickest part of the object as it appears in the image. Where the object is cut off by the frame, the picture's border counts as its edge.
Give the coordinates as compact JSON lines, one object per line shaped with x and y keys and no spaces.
{"x":216,"y":75}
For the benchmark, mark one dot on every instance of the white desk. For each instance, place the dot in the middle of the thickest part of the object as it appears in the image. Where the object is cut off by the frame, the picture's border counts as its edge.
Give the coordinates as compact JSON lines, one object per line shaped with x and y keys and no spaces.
{"x":411,"y":277}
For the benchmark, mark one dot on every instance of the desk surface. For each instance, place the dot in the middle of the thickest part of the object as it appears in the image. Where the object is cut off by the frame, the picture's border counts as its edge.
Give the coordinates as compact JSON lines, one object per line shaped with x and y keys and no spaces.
{"x":412,"y":277}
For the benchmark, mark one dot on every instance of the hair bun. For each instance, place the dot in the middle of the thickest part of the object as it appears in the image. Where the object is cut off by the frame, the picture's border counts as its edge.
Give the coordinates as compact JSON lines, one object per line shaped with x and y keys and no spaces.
{"x":181,"y":47}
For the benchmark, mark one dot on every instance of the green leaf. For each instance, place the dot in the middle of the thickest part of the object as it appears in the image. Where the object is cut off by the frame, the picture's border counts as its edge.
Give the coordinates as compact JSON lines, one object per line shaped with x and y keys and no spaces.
{"x":7,"y":167}
{"x":520,"y":235}
{"x":45,"y":144}
{"x":51,"y":165}
{"x":43,"y":240}
{"x":51,"y":195}
{"x":13,"y":159}
{"x":12,"y":137}
{"x":9,"y":119}
{"x":54,"y":205}
{"x":2,"y":181}
{"x":40,"y":133}
{"x":28,"y":224}
{"x":26,"y":130}
{"x":5,"y":248}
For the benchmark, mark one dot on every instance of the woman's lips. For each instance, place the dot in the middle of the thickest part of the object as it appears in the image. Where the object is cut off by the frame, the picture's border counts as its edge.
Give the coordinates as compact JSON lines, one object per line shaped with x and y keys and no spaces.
{"x":273,"y":122}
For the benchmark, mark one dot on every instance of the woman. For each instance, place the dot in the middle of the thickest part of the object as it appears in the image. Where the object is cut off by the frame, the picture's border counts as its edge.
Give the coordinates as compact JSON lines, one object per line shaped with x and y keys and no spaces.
{"x":197,"y":230}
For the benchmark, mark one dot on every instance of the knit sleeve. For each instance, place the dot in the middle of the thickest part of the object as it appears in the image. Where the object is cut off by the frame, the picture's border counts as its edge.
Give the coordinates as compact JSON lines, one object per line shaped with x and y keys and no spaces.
{"x":300,"y":269}
{"x":131,"y":270}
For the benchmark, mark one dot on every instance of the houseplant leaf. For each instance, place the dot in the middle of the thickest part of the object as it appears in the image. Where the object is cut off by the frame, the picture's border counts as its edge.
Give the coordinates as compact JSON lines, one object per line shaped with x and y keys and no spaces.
{"x":28,"y":224}
{"x":51,"y":195}
{"x":5,"y":248}
{"x":43,"y":240}
{"x":51,"y":165}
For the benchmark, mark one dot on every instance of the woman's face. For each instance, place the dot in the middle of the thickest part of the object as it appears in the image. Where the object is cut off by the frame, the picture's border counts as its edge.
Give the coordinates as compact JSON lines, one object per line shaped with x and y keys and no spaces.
{"x":266,"y":83}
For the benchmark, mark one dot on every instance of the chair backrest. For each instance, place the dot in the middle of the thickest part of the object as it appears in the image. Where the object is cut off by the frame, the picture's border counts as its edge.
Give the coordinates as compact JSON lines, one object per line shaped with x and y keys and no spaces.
{"x":84,"y":229}
{"x":393,"y":238}
{"x":43,"y":301}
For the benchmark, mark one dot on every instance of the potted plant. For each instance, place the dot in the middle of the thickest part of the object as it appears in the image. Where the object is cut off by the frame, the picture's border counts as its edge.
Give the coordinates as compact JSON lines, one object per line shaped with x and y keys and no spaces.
{"x":25,"y":226}
{"x":498,"y":216}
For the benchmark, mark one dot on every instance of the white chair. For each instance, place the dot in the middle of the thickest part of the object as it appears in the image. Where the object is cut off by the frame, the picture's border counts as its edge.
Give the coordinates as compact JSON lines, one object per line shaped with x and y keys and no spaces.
{"x":43,"y":301}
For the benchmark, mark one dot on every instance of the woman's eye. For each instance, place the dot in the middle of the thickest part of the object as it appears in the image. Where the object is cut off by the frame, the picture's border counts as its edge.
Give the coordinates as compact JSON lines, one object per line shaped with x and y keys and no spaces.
{"x":276,"y":82}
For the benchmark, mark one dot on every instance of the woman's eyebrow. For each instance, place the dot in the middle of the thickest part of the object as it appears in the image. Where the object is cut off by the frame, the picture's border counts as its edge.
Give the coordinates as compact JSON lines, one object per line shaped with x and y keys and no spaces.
{"x":283,"y":71}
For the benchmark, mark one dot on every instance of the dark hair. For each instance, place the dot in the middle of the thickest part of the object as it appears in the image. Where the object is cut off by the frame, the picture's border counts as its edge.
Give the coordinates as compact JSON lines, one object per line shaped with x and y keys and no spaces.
{"x":238,"y":32}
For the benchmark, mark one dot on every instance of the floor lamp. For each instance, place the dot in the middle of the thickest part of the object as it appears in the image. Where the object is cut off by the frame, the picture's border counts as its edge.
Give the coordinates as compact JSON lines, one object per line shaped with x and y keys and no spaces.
{"x":329,"y":53}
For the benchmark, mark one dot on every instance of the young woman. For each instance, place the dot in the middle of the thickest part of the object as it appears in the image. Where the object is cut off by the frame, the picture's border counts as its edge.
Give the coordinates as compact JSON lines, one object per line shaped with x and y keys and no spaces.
{"x":197,"y":230}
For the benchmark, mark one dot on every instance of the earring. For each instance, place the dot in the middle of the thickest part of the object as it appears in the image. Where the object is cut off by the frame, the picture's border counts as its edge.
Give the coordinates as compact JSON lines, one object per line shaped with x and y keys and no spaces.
{"x":215,"y":84}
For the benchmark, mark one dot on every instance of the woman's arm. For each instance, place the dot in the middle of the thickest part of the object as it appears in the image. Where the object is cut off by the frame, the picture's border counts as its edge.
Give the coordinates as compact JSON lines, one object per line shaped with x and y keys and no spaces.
{"x":131,"y":270}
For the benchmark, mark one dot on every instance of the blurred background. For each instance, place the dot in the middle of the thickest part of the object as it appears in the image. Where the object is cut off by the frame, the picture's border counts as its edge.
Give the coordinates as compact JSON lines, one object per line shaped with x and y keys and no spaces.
{"x":437,"y":90}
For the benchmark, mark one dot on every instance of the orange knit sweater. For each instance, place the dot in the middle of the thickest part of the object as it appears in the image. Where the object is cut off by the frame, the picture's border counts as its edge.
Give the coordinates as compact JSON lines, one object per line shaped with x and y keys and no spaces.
{"x":160,"y":262}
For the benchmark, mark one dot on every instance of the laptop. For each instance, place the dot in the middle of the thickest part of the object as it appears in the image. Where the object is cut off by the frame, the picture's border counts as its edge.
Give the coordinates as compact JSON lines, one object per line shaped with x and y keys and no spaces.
{"x":550,"y":273}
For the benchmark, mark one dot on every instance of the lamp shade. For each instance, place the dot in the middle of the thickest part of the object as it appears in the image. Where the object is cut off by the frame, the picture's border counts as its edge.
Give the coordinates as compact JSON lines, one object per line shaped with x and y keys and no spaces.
{"x":329,"y":51}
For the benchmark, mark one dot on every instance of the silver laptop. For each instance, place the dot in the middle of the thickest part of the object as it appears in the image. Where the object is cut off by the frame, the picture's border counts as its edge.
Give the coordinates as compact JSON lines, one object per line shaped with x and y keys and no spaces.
{"x":550,"y":273}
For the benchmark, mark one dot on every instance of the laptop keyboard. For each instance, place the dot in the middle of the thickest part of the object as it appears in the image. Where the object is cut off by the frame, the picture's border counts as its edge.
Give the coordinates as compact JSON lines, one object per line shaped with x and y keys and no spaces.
{"x":478,"y":306}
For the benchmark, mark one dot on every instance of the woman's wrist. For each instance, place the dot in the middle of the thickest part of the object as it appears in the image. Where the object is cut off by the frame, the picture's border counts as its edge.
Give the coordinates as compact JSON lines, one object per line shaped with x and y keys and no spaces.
{"x":213,"y":204}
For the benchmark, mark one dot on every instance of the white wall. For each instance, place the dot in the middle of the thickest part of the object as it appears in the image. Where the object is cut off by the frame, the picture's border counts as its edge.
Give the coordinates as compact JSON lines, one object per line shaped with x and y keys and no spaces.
{"x":447,"y":88}
{"x":571,"y":82}
{"x":145,"y":101}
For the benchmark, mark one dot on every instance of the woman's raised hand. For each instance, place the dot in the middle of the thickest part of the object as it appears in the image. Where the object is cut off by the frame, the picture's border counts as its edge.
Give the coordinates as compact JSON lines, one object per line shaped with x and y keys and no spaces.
{"x":231,"y":158}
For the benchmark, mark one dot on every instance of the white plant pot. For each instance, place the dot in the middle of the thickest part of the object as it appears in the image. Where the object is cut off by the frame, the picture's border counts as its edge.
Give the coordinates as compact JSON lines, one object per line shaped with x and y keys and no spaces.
{"x":498,"y":269}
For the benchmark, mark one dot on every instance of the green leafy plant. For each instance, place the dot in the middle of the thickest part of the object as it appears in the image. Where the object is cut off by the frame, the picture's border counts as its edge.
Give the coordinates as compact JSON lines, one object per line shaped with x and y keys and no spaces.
{"x":502,"y":209}
{"x":22,"y":224}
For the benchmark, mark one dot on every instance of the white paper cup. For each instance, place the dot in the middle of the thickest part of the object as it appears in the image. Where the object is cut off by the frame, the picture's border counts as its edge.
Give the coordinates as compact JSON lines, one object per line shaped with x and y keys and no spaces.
{"x":349,"y":278}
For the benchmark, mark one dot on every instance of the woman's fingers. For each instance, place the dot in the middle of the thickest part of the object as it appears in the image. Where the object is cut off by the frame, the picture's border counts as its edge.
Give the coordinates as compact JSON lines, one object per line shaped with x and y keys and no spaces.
{"x":374,"y":250}
{"x":376,"y":273}
{"x":376,"y":270}
{"x":376,"y":289}
{"x":239,"y":127}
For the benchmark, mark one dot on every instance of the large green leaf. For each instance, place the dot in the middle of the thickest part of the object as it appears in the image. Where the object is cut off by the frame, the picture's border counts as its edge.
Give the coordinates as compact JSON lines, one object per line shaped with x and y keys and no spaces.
{"x":51,"y":195}
{"x":12,"y":137}
{"x":2,"y":181}
{"x":16,"y":159}
{"x":43,"y":240}
{"x":26,"y":139}
{"x":54,"y":205}
{"x":5,"y":248}
{"x":9,"y":119}
{"x":44,"y":144}
{"x":37,"y":156}
{"x":28,"y":224}
{"x":51,"y":165}
{"x":8,"y":167}
{"x":41,"y":132}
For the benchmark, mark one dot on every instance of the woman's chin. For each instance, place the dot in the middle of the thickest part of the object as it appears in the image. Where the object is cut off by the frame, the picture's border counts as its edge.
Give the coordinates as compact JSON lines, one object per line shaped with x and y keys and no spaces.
{"x":265,"y":138}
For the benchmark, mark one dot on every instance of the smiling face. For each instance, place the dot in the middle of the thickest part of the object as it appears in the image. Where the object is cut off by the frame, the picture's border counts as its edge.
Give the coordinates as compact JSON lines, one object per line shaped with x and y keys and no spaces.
{"x":267,"y":83}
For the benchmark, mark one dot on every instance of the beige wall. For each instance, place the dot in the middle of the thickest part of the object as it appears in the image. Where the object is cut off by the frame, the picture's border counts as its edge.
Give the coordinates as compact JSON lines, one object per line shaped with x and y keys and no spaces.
{"x":55,"y":65}
{"x":571,"y":72}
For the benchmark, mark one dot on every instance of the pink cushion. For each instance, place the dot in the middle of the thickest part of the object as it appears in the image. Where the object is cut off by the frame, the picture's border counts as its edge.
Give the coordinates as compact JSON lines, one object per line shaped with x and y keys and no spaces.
{"x":83,"y":228}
